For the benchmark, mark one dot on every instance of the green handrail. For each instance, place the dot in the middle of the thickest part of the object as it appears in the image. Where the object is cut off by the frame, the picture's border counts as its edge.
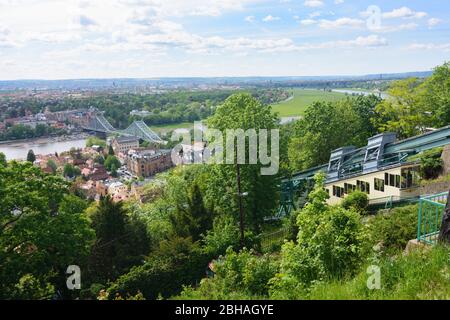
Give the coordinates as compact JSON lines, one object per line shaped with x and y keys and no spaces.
{"x":431,"y":211}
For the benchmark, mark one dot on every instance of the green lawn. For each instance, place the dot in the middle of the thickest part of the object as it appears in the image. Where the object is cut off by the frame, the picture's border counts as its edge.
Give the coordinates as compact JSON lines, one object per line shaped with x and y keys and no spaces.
{"x":303,"y":98}
{"x":170,"y":127}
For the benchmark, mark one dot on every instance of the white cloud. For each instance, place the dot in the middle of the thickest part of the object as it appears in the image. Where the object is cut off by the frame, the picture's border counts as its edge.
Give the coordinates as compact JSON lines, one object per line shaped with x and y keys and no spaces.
{"x":6,"y":38}
{"x":430,"y":46}
{"x":371,"y":41}
{"x":315,"y":14}
{"x":338,"y":1}
{"x":313,"y":3}
{"x":250,"y":19}
{"x":270,"y":18}
{"x":180,"y":8}
{"x":308,"y":22}
{"x":404,"y":12}
{"x":433,"y":22}
{"x":396,"y":28}
{"x":341,"y":22}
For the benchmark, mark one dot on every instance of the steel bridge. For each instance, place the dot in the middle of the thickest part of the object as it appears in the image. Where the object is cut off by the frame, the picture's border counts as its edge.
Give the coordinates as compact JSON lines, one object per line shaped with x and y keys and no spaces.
{"x":353,"y":162}
{"x":137,"y":129}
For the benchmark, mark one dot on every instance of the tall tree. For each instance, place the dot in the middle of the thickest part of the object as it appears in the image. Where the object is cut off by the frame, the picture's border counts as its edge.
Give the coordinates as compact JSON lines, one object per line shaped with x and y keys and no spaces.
{"x":112,"y":161}
{"x":39,"y":236}
{"x":435,"y":95}
{"x":327,"y":126}
{"x":120,"y":243}
{"x":192,"y":219}
{"x":52,"y":165}
{"x":3,"y":161}
{"x":403,"y":112}
{"x":242,"y":111}
{"x":30,"y":156}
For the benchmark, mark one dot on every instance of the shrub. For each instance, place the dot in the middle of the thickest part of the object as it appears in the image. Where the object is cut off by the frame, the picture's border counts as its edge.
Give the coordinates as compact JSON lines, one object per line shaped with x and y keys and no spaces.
{"x":330,"y":245}
{"x":393,"y":229}
{"x":431,"y":163}
{"x":357,"y":200}
{"x":178,"y":262}
{"x":237,"y":275}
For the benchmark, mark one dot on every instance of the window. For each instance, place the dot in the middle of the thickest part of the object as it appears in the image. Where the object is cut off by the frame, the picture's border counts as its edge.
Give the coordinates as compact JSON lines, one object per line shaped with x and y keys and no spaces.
{"x":363,"y":186}
{"x":392,"y":180}
{"x":349,"y":188}
{"x":372,"y":154}
{"x":379,"y":184}
{"x":410,"y":178}
{"x":338,"y":192}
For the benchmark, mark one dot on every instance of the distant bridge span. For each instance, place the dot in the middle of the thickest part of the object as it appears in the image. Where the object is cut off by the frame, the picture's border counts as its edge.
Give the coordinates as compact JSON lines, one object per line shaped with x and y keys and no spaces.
{"x":137,"y":129}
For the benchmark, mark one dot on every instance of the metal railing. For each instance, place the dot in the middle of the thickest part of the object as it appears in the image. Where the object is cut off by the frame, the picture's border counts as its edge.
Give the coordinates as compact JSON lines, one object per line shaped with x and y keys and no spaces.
{"x":431,"y":211}
{"x":276,"y":238}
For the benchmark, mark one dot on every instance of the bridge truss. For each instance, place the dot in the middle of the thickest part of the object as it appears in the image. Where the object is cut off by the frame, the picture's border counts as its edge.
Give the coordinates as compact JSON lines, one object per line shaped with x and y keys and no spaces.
{"x":137,"y":129}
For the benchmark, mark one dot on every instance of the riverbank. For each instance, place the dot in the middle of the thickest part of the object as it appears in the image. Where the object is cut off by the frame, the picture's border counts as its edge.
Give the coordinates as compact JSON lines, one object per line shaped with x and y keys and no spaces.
{"x":18,"y":150}
{"x":43,"y":140}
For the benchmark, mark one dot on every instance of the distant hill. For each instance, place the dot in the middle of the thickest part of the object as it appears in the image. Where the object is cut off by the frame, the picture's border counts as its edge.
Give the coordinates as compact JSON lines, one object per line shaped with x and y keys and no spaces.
{"x":167,"y":83}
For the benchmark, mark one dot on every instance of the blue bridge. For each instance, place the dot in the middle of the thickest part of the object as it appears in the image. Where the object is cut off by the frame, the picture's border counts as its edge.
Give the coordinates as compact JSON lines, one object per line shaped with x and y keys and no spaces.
{"x":137,"y":129}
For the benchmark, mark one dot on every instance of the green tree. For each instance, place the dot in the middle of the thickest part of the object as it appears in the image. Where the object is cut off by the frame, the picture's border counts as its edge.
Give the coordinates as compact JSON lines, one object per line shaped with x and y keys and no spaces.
{"x":242,"y":111}
{"x":329,"y":243}
{"x":404,"y":111}
{"x":110,"y":150}
{"x":113,"y":170}
{"x":357,"y":200}
{"x":52,"y":165}
{"x":30,"y":156}
{"x":121,"y":241}
{"x":434,"y":95}
{"x":39,"y":238}
{"x":99,"y":159}
{"x":94,"y":141}
{"x":69,"y":170}
{"x":3,"y":161}
{"x":192,"y":219}
{"x":327,"y":126}
{"x":112,"y":161}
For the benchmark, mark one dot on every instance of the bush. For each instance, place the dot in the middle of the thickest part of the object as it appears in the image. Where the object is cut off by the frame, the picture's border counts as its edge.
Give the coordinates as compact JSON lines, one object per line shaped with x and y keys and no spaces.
{"x":330,"y":245}
{"x":431,"y":163}
{"x":178,"y":262}
{"x":237,"y":275}
{"x":112,"y":161}
{"x":393,"y":229}
{"x":357,"y":200}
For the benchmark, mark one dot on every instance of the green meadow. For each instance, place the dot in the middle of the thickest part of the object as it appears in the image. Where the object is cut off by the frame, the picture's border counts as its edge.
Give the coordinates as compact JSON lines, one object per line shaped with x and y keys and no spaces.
{"x":303,"y":98}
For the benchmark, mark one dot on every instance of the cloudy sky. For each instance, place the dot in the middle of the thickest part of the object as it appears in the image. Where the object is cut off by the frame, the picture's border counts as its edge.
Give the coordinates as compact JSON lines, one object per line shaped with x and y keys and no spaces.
{"x":60,"y":39}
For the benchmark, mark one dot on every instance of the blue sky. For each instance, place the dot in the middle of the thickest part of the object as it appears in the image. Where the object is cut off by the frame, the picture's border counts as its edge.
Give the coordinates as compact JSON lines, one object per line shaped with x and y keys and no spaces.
{"x":60,"y":39}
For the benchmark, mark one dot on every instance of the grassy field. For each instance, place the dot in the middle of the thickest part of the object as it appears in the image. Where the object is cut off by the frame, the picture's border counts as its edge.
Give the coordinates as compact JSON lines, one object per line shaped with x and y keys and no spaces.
{"x":293,"y":107}
{"x":170,"y":127}
{"x":303,"y":98}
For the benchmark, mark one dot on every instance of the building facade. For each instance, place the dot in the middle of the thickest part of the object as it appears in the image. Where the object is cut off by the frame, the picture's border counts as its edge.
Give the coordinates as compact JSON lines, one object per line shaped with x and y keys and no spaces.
{"x":146,"y":163}
{"x":386,"y":169}
{"x":393,"y":183}
{"x":123,"y":144}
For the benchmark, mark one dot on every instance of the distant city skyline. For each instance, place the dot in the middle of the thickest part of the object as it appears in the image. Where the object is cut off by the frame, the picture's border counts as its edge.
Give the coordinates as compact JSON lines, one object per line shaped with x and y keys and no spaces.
{"x":77,"y":39}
